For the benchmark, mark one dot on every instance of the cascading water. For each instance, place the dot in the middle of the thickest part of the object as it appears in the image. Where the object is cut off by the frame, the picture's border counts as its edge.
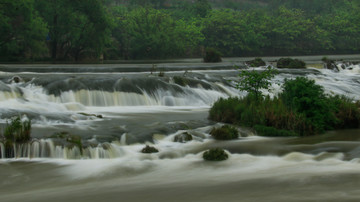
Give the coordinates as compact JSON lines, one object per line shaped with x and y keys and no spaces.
{"x":90,"y":124}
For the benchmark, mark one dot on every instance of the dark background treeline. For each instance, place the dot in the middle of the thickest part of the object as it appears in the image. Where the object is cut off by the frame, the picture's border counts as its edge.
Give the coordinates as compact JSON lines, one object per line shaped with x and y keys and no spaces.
{"x":78,"y":30}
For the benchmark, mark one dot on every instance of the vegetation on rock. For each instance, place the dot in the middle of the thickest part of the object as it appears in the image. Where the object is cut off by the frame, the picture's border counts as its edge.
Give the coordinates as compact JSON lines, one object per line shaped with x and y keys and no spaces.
{"x":226,"y":132}
{"x":290,"y":63}
{"x":257,"y":62}
{"x":216,"y":154}
{"x":183,"y":137}
{"x":149,"y":149}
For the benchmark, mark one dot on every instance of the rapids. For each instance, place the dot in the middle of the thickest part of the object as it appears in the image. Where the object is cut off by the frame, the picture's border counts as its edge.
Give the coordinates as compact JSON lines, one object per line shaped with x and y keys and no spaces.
{"x":117,"y":109}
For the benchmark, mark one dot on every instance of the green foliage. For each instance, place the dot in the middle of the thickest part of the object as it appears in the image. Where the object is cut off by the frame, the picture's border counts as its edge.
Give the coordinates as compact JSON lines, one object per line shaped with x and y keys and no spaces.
{"x":149,"y":149}
{"x":257,"y":62}
{"x":22,"y":31}
{"x":216,"y":154}
{"x":182,"y":81}
{"x":212,"y":55}
{"x":347,"y":112}
{"x":302,"y":109}
{"x":226,"y":132}
{"x":151,"y":33}
{"x":305,"y":97}
{"x":76,"y":28}
{"x":224,"y":110}
{"x":153,"y":29}
{"x":253,"y":81}
{"x":230,"y":32}
{"x":273,"y":132}
{"x":18,"y":131}
{"x":290,"y":63}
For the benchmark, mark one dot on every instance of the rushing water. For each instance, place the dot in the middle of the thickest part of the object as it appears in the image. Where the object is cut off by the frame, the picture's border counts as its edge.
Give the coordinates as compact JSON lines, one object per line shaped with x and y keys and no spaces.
{"x":117,"y":109}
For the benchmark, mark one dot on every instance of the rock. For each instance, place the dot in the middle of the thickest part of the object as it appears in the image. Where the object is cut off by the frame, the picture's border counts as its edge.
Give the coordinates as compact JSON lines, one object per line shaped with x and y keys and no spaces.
{"x":183,"y":137}
{"x":148,"y":149}
{"x":216,"y":154}
{"x":16,"y":79}
{"x":257,"y":62}
{"x":290,"y":63}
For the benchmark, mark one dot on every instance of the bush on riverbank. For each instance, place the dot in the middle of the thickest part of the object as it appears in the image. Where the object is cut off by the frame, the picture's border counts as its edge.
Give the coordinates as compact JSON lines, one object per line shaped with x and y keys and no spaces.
{"x":212,"y":55}
{"x":302,"y":109}
{"x":216,"y":154}
{"x":290,"y":63}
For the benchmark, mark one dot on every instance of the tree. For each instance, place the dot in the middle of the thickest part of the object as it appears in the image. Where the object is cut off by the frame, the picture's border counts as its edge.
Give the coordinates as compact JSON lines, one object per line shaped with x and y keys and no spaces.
{"x":253,"y":81}
{"x":291,"y":31}
{"x":229,"y":32}
{"x":150,"y":33}
{"x":76,"y":28}
{"x":22,"y":31}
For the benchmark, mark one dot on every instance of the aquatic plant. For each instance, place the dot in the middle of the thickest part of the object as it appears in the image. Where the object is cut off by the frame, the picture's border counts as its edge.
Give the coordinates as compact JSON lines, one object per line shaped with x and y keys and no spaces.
{"x":216,"y":154}
{"x":17,"y":130}
{"x":290,"y":63}
{"x":226,"y":132}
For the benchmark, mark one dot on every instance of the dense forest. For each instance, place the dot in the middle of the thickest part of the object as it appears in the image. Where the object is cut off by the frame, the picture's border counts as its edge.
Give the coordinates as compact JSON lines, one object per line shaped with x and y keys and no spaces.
{"x":78,"y":30}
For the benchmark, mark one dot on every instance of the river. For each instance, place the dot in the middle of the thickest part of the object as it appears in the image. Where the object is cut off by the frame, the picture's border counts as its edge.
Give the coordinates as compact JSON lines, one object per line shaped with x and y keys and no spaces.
{"x":117,"y":109}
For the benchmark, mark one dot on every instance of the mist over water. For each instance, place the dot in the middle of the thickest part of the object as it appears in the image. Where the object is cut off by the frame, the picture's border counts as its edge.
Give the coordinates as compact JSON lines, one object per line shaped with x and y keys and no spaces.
{"x":139,"y":108}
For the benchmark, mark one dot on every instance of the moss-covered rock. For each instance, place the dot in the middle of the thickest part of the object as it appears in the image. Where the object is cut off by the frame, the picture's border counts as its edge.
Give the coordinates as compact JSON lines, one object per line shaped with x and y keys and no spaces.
{"x":216,"y":154}
{"x":148,"y":149}
{"x":212,"y":55}
{"x":290,"y":63}
{"x":183,"y":137}
{"x":180,"y":80}
{"x":257,"y":62}
{"x":226,"y":132}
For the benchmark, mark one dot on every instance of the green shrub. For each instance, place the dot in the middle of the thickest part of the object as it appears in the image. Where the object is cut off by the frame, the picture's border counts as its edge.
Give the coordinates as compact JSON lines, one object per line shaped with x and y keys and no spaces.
{"x":347,"y":112}
{"x":212,"y":55}
{"x":257,"y":62}
{"x":223,"y":110}
{"x":18,"y":131}
{"x":148,"y":149}
{"x":216,"y":154}
{"x":226,"y":132}
{"x":290,"y":63}
{"x":273,"y":132}
{"x":305,"y":97}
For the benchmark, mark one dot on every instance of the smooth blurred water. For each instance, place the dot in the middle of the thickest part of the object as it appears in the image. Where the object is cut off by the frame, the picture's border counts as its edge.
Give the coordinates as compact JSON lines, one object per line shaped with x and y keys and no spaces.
{"x":139,"y":107}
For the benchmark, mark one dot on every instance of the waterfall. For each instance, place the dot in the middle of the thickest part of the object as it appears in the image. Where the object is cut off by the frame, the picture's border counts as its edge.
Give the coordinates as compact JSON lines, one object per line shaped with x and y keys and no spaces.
{"x":46,"y":148}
